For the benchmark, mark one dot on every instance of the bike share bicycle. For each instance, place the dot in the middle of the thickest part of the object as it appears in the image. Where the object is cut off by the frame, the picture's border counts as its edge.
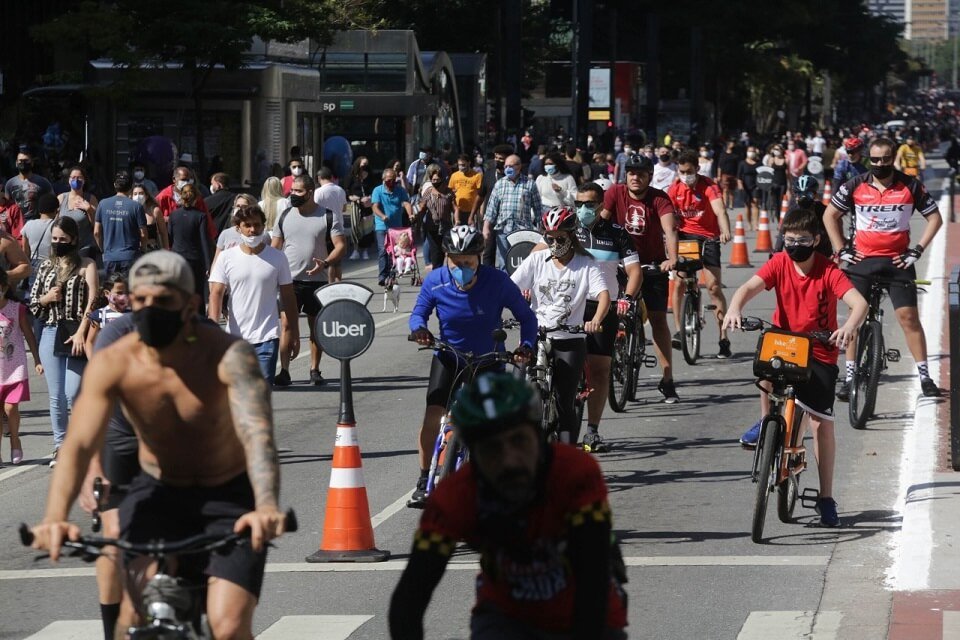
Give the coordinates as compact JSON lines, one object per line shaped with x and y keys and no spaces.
{"x":449,"y":454}
{"x":691,"y":319}
{"x":783,"y":359}
{"x":172,"y":608}
{"x":872,"y":355}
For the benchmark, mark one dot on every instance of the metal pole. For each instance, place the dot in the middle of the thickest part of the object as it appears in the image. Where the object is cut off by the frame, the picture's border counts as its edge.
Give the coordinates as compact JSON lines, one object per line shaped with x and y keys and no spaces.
{"x":583,"y":19}
{"x":346,"y":395}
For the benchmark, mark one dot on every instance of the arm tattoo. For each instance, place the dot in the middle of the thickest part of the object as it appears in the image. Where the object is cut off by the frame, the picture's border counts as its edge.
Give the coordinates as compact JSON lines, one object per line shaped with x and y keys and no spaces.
{"x":253,"y":419}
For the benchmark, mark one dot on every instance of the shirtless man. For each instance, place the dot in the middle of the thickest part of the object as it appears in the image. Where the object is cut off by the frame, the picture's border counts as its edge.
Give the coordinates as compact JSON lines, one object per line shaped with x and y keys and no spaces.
{"x":173,"y":376}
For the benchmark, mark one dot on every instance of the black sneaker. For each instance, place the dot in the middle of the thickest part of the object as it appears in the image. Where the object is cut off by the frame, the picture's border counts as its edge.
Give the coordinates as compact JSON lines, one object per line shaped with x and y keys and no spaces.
{"x":419,"y":496}
{"x":282,"y":379}
{"x":669,"y":391}
{"x":380,"y":283}
{"x":843,"y":391}
{"x":827,"y":508}
{"x":593,"y":443}
{"x":675,"y":341}
{"x":725,"y":351}
{"x":315,"y":378}
{"x":930,"y":388}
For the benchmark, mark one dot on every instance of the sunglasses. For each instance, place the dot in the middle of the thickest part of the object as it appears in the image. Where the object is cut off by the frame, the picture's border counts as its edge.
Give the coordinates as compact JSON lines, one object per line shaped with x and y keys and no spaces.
{"x":798,"y":242}
{"x":881,"y":159}
{"x":550,"y":240}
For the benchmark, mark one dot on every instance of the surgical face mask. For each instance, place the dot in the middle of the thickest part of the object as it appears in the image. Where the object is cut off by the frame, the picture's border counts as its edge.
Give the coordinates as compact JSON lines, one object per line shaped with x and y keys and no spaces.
{"x":158,"y":327}
{"x":561,"y":246}
{"x":688,"y":179}
{"x":704,"y":154}
{"x":462,"y":275}
{"x":550,"y":169}
{"x":664,"y":157}
{"x":297,"y":200}
{"x":882,"y":172}
{"x":586,"y":214}
{"x":500,"y":164}
{"x":118,"y":300}
{"x":751,"y":154}
{"x":252,"y":241}
{"x":462,"y":167}
{"x":182,"y":183}
{"x":297,"y":171}
{"x":627,"y":150}
{"x":138,"y":175}
{"x":61,"y":249}
{"x":24,"y":166}
{"x":776,"y":153}
{"x":141,"y":198}
{"x":510,"y":172}
{"x":76,"y":183}
{"x":799,"y":253}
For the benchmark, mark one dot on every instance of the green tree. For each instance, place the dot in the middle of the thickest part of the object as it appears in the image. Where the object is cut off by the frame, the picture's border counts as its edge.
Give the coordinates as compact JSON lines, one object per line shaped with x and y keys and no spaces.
{"x":198,"y":35}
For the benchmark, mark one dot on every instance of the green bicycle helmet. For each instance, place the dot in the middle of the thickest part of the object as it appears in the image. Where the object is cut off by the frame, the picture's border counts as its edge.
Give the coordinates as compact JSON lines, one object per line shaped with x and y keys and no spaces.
{"x":494,"y":402}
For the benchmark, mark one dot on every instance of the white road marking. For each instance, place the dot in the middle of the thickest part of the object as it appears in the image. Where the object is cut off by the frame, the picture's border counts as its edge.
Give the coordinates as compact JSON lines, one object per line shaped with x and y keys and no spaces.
{"x":313,"y":627}
{"x":70,"y":630}
{"x":467,"y":565}
{"x":20,"y":468}
{"x":951,"y":624}
{"x":911,"y":547}
{"x":397,"y":506}
{"x":791,"y":625}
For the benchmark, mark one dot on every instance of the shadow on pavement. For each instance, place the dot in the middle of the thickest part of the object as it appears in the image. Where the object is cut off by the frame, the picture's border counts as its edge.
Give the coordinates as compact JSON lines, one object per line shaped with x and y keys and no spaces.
{"x":620,"y":481}
{"x":299,"y":458}
{"x":679,"y":537}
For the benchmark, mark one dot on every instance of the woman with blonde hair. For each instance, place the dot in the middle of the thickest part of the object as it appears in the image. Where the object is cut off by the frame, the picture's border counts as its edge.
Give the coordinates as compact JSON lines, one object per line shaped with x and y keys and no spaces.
{"x":272,"y":201}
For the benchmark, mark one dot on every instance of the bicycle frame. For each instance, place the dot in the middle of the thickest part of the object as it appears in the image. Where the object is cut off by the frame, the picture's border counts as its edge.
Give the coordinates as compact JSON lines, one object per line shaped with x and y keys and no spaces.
{"x":784,"y":410}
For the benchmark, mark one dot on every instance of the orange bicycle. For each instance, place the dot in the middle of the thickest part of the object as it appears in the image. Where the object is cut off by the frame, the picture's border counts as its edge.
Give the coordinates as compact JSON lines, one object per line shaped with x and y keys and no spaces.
{"x":783,"y":359}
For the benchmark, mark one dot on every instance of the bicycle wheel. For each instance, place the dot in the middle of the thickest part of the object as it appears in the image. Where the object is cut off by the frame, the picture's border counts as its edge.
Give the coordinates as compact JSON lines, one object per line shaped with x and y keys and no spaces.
{"x":690,"y":328}
{"x":580,"y":401}
{"x":866,"y":374}
{"x":638,"y":351}
{"x":766,"y":474}
{"x":621,"y":373}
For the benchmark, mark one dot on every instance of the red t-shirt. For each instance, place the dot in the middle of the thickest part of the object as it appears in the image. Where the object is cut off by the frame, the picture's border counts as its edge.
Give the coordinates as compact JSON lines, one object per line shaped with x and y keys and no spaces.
{"x":694,"y":212}
{"x":534,"y":585}
{"x":167,"y":204}
{"x":287,"y":184}
{"x":883,"y":219}
{"x":11,"y":217}
{"x":641,"y":219}
{"x":806,"y":302}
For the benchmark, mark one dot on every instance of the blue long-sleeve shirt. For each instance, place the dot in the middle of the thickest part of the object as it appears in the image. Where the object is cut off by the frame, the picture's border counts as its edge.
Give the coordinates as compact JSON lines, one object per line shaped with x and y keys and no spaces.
{"x":469,"y":318}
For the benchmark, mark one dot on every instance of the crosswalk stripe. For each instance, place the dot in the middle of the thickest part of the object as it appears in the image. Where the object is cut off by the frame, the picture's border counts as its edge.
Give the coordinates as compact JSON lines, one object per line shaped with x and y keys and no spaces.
{"x":951,"y":624}
{"x":791,"y":625}
{"x":313,"y":627}
{"x":286,"y":628}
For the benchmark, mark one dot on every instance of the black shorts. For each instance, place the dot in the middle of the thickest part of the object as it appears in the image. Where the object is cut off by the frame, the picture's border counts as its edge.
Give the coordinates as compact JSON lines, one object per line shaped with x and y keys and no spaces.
{"x":121,"y":465}
{"x":709,"y":248}
{"x":601,"y":344}
{"x":862,"y":274}
{"x":816,"y":396}
{"x":654,"y":291}
{"x":443,"y":375}
{"x":306,"y":301}
{"x":153,"y":510}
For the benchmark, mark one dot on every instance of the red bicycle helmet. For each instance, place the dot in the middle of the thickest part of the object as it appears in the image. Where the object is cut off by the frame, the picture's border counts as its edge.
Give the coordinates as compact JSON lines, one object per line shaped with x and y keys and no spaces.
{"x":853,"y":144}
{"x":559,"y":219}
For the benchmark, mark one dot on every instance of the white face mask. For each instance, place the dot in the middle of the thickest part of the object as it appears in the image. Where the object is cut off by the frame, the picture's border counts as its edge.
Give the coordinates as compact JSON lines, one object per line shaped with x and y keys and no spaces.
{"x":297,"y":171}
{"x":252,"y":241}
{"x":140,"y":198}
{"x":182,"y":183}
{"x":688,"y":179}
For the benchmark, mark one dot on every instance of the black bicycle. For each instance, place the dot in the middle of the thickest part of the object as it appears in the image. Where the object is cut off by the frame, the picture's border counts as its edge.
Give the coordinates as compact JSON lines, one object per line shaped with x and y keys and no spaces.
{"x":872,"y":355}
{"x":629,"y":355}
{"x":170,"y":606}
{"x":691,"y":320}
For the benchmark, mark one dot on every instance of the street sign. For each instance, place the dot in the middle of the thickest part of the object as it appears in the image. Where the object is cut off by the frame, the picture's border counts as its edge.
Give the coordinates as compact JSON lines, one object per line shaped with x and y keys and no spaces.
{"x":344,"y":329}
{"x":521,"y":244}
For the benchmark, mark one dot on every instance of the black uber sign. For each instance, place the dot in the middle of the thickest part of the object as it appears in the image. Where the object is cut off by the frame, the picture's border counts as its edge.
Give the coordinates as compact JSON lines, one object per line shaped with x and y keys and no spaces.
{"x":344,"y":329}
{"x":521,"y":244}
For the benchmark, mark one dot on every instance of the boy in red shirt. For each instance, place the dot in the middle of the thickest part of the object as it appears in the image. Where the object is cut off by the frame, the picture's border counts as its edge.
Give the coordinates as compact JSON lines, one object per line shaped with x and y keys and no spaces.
{"x":808,"y":285}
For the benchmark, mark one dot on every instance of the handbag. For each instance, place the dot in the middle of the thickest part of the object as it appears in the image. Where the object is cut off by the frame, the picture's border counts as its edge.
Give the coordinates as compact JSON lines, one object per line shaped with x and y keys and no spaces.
{"x":65,"y":329}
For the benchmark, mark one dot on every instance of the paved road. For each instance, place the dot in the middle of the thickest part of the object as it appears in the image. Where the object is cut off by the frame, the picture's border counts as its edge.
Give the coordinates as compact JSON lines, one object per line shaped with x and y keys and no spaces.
{"x":680,"y":492}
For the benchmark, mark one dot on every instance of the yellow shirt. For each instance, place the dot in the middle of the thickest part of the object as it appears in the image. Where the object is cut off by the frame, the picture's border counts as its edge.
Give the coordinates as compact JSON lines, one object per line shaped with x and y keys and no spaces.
{"x":910,"y":157}
{"x":466,"y":189}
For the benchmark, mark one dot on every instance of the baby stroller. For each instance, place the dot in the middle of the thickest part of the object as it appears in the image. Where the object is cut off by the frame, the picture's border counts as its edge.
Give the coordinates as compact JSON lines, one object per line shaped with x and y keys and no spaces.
{"x":411,"y":266}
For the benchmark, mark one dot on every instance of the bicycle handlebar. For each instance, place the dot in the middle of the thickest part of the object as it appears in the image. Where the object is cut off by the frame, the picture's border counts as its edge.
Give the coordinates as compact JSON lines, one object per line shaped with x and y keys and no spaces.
{"x":199,"y":543}
{"x":577,"y":328}
{"x":752,"y":323}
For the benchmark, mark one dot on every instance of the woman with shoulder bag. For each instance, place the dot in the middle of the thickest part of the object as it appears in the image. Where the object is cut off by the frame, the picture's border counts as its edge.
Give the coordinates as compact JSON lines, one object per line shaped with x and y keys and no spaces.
{"x":62,"y":296}
{"x":437,"y":202}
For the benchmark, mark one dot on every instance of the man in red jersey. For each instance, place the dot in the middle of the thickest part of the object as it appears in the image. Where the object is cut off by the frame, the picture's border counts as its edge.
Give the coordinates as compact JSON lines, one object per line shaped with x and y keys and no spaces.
{"x":169,"y":198}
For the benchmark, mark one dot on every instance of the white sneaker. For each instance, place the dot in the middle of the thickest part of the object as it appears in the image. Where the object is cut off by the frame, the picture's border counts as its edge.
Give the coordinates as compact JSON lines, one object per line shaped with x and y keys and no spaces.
{"x":354,"y":256}
{"x":365,"y":255}
{"x":53,"y":459}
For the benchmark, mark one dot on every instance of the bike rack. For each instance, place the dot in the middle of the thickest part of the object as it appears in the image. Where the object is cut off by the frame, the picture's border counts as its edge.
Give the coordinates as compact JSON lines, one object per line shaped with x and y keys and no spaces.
{"x":954,"y":328}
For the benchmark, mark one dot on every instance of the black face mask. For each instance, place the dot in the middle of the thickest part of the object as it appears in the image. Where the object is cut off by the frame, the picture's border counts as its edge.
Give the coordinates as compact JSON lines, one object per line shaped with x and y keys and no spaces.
{"x":158,"y":327}
{"x":24,"y":166}
{"x":500,"y":164}
{"x":61,"y":249}
{"x":665,"y":157}
{"x":882,"y":172}
{"x":297,"y":201}
{"x":799,"y":253}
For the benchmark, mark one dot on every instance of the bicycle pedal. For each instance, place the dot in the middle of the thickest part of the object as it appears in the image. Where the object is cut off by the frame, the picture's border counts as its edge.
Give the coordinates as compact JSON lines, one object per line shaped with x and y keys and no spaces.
{"x":893,"y":355}
{"x":710,"y":307}
{"x":650,"y":361}
{"x":809,"y":497}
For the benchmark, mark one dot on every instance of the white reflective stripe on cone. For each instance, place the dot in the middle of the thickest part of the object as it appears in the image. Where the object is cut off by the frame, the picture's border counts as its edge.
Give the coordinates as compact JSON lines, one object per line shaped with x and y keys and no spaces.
{"x":347,"y":437}
{"x":346,"y":479}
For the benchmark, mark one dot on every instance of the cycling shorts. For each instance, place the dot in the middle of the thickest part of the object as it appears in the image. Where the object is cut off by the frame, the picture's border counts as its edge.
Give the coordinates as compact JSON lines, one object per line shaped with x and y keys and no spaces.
{"x":443,"y":374}
{"x":601,"y":344}
{"x":816,"y":396}
{"x":153,"y":510}
{"x":709,"y":248}
{"x":121,"y":464}
{"x":861,"y":275}
{"x":654,"y":291}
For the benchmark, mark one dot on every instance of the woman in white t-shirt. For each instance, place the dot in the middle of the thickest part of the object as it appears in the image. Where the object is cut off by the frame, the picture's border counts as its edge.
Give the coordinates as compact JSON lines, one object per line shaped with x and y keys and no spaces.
{"x":556,"y":186}
{"x":560,"y":286}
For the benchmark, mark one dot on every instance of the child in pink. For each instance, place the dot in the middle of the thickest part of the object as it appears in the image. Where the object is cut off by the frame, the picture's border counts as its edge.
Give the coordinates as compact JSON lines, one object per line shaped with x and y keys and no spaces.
{"x":15,"y":328}
{"x":402,"y":255}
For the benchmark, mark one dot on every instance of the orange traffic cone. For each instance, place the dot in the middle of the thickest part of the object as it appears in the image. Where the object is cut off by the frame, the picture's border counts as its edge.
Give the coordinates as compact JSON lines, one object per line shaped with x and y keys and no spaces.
{"x":739,"y":256}
{"x":827,"y":192}
{"x":347,"y":530}
{"x":763,"y":244}
{"x":784,"y":205}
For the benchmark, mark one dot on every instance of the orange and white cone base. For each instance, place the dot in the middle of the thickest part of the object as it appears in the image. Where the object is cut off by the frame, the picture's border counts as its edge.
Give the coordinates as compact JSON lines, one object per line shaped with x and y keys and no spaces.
{"x":739,"y":256}
{"x":763,"y":244}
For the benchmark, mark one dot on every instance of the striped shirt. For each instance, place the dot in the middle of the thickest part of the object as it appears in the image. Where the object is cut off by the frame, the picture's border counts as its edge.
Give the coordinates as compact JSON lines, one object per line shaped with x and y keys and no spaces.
{"x":73,"y":301}
{"x":514,"y":205}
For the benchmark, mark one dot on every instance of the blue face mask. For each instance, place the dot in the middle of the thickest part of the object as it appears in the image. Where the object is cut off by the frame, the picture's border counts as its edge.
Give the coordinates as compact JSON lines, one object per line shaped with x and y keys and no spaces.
{"x":75,"y":184}
{"x":586,"y":214}
{"x":462,"y":275}
{"x":510,"y":172}
{"x":550,"y":169}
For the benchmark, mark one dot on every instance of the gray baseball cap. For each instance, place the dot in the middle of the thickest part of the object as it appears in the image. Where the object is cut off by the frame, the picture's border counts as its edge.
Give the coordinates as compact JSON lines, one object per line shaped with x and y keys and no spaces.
{"x":164,"y":268}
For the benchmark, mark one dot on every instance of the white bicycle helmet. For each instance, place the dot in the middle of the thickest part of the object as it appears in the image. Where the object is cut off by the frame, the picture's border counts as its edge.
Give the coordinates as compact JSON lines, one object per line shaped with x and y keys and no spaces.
{"x":463,"y":240}
{"x":603,"y":182}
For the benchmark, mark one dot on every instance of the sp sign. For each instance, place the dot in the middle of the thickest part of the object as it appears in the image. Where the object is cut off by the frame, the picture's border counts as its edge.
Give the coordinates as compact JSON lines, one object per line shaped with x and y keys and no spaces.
{"x":344,"y":329}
